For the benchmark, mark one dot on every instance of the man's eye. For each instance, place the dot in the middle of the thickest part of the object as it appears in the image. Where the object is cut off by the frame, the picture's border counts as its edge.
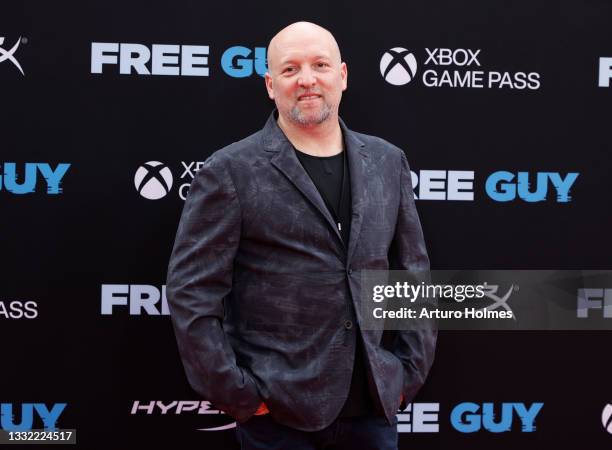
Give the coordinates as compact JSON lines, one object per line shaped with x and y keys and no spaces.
{"x":288,"y":70}
{"x":322,"y":64}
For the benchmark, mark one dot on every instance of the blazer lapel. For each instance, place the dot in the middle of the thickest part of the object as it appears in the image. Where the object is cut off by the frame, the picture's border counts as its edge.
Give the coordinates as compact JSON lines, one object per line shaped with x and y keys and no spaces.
{"x":286,"y":161}
{"x":358,"y":168}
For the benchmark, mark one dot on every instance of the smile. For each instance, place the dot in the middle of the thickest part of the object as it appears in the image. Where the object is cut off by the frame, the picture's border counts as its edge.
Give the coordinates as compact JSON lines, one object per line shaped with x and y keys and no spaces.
{"x":308,"y":97}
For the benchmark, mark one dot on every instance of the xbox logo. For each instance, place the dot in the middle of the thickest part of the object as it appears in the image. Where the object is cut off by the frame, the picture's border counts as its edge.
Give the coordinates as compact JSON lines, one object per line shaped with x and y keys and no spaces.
{"x":398,"y":66}
{"x":153,"y":180}
{"x":606,"y":418}
{"x":8,"y":55}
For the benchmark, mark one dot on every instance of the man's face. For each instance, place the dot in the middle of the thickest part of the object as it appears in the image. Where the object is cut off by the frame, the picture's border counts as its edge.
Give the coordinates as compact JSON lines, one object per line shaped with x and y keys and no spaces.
{"x":306,"y":77}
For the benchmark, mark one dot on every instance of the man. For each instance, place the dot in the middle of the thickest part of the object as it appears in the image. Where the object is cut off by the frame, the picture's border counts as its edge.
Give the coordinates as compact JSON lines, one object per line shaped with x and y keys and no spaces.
{"x":264,"y":280}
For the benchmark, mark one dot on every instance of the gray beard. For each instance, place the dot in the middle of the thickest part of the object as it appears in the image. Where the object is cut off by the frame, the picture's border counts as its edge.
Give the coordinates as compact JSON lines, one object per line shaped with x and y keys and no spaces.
{"x":299,"y":118}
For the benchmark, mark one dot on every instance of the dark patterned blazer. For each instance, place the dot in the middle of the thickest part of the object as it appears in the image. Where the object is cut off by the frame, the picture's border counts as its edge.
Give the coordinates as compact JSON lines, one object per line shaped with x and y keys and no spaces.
{"x":263,"y":295}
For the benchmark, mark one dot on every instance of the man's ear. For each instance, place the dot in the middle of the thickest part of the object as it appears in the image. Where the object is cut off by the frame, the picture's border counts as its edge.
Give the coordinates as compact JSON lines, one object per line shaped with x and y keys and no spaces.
{"x":270,"y":89}
{"x":344,"y":75}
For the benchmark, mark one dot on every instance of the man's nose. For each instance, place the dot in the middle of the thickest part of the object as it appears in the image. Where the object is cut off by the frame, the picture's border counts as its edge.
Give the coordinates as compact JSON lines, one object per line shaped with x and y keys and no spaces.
{"x":307,"y":78}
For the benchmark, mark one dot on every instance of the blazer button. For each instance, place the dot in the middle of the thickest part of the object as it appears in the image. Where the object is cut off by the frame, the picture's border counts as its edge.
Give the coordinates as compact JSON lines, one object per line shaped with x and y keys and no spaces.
{"x":348,"y":324}
{"x":350,"y":271}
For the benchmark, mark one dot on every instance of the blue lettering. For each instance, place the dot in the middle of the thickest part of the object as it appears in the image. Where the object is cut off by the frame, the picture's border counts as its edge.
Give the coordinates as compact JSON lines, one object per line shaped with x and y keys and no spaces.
{"x":466,"y":423}
{"x":10,"y":179}
{"x":488,"y":418}
{"x":261,"y":62}
{"x":465,"y":417}
{"x":563,"y":185}
{"x":528,"y":415}
{"x":7,"y":420}
{"x":506,"y":191}
{"x":234,"y":66}
{"x":49,"y":418}
{"x":500,"y":186}
{"x":541,"y":187}
{"x":53,"y":177}
{"x":236,"y":62}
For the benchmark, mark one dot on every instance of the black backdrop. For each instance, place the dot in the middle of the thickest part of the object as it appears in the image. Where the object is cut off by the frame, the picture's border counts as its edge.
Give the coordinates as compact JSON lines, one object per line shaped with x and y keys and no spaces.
{"x":58,"y":250}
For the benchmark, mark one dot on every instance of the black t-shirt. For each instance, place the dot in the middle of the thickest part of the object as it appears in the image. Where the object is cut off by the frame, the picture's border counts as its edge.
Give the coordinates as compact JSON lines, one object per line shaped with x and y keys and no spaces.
{"x":330,"y":176}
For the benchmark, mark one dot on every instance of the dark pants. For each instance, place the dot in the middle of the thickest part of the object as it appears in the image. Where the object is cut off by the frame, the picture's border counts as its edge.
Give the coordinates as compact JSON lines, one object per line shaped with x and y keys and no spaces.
{"x":363,"y":433}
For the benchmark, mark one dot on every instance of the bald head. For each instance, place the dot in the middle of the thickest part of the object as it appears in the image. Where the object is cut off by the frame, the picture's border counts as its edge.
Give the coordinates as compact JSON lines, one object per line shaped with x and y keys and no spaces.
{"x":299,"y":35}
{"x":306,"y":76}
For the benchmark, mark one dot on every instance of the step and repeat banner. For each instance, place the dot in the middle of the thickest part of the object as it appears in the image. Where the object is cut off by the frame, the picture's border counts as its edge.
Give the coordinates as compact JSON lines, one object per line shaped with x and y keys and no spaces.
{"x":108,"y":109}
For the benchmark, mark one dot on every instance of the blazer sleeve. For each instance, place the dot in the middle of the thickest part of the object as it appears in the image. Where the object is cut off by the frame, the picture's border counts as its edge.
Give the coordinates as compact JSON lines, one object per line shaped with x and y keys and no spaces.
{"x":199,"y":277}
{"x":415,"y":349}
